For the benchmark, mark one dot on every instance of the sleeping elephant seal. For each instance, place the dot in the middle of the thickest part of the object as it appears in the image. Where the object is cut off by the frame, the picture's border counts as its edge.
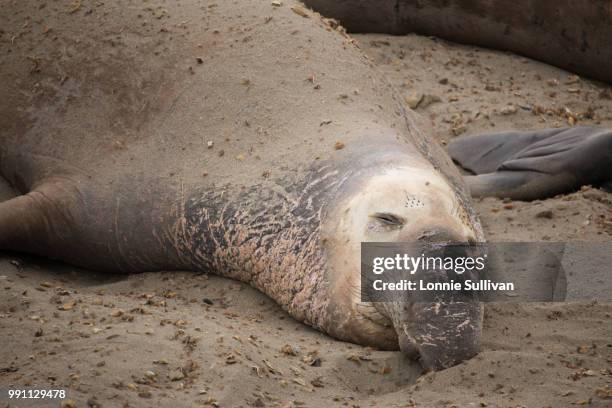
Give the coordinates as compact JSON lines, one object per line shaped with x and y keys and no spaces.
{"x":573,"y":35}
{"x":245,"y":139}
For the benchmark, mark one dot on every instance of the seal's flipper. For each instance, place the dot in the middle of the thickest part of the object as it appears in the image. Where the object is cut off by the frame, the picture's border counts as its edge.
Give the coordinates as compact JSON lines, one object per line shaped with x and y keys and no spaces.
{"x":36,"y":222}
{"x":535,"y":164}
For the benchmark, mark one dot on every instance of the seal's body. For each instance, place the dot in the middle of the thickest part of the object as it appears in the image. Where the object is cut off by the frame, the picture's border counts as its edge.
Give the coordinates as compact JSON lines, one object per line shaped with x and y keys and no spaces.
{"x":248,"y":140}
{"x":572,"y":35}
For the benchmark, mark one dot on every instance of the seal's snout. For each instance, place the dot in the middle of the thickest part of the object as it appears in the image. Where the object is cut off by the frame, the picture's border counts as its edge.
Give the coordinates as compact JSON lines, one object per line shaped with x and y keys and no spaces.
{"x":439,"y":335}
{"x":441,"y":234}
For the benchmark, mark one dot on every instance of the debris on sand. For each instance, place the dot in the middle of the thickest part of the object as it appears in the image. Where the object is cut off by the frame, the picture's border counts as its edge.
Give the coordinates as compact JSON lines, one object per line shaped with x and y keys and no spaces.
{"x":76,"y":6}
{"x":300,"y":11}
{"x":116,"y":313}
{"x":317,"y":382}
{"x":509,"y":110}
{"x":428,"y":99}
{"x":354,"y":358}
{"x":414,"y":100}
{"x":572,"y":79}
{"x":68,"y":305}
{"x":289,"y":350}
{"x":548,"y":214}
{"x":604,"y":392}
{"x":177,"y":375}
{"x":339,"y":145}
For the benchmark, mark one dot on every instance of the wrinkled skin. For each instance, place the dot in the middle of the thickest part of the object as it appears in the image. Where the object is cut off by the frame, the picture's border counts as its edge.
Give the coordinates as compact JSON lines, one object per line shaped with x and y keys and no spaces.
{"x":104,"y":135}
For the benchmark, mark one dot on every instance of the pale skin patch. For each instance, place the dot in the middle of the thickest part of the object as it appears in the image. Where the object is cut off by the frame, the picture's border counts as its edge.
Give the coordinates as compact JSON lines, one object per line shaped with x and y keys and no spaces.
{"x":400,"y":204}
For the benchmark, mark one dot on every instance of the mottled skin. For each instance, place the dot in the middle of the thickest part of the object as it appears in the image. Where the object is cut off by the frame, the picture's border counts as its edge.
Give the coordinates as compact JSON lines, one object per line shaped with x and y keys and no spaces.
{"x":573,"y":35}
{"x":104,"y":122}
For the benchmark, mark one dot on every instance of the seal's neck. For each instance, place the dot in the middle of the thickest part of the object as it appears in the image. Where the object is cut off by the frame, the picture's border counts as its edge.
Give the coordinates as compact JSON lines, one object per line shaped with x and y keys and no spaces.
{"x":268,"y":235}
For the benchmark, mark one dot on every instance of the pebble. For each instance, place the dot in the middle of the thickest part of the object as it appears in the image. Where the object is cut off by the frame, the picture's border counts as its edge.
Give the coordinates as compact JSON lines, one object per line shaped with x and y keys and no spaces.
{"x":545,"y":214}
{"x":509,"y":110}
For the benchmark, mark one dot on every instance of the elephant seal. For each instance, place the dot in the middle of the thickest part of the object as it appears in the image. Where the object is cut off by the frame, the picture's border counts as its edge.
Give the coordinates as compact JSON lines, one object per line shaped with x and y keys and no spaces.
{"x":247,"y":139}
{"x":571,"y":35}
{"x":535,"y":164}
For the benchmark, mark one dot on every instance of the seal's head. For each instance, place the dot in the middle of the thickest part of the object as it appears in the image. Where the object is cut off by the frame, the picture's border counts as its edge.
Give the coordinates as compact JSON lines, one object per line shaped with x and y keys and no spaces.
{"x":399,"y":204}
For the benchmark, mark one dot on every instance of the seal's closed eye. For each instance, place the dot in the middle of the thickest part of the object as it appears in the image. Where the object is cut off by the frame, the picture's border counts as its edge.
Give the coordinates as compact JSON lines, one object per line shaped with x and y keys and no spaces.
{"x":389,"y":219}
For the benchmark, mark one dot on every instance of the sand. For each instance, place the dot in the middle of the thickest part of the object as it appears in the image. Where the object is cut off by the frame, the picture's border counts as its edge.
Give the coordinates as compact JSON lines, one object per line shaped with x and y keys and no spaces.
{"x":178,"y":339}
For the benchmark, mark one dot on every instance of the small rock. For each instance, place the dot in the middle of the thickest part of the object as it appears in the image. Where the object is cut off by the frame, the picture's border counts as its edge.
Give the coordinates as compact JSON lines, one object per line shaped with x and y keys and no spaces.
{"x":458,"y":130}
{"x":428,"y":99}
{"x":317,"y":382}
{"x":552,"y":82}
{"x":300,"y":11}
{"x":68,"y":306}
{"x":509,"y":110}
{"x":604,"y":392}
{"x":339,"y":146}
{"x":289,"y":350}
{"x":572,"y":79}
{"x":210,"y":144}
{"x":414,"y":100}
{"x":545,"y":214}
{"x":93,"y":403}
{"x":177,"y":375}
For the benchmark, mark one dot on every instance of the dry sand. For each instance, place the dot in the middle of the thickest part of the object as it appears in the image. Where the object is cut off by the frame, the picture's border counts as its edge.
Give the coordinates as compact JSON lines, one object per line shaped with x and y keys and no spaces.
{"x":182,"y":340}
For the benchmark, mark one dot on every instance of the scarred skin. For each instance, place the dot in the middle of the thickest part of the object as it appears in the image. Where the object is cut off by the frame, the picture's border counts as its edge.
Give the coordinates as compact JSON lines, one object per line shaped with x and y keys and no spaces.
{"x":574,"y":35}
{"x":105,"y":124}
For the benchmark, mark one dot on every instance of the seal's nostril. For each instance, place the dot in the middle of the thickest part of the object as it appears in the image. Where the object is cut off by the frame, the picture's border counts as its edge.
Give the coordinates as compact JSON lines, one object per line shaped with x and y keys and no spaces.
{"x":439,"y":234}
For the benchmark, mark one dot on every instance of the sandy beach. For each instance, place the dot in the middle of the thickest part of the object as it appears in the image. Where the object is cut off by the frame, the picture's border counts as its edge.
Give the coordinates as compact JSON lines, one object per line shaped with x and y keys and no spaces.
{"x":178,"y":339}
